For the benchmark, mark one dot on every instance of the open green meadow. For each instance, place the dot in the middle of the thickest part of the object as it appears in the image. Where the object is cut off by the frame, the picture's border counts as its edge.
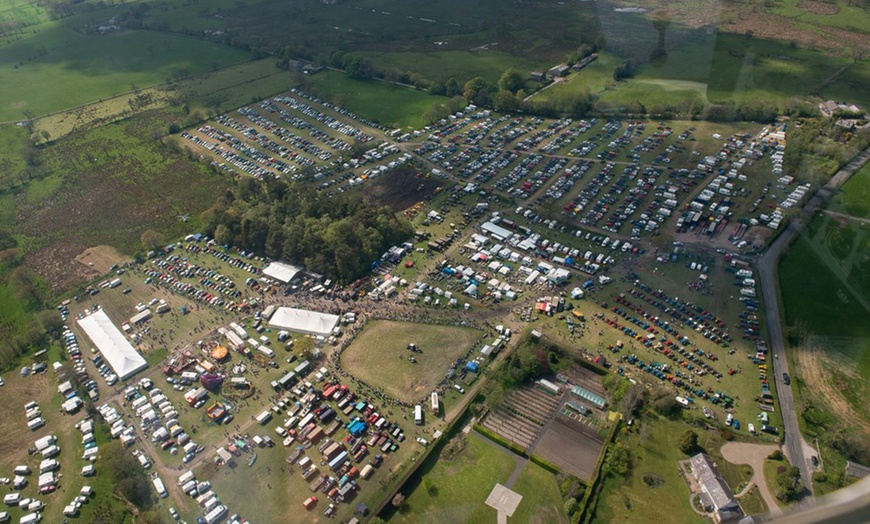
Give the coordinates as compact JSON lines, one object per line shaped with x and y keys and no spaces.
{"x":824,"y":283}
{"x":204,"y":94}
{"x":379,"y":356}
{"x":388,"y":104}
{"x":824,"y":280}
{"x":854,"y":197}
{"x":454,"y":489}
{"x":461,"y":65}
{"x":58,"y":67}
{"x":541,"y":502}
{"x":722,"y":68}
{"x":841,"y":14}
{"x":653,"y":445}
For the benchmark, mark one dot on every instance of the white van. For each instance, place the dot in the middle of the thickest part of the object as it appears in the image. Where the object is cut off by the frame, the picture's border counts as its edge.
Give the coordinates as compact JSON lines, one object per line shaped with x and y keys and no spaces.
{"x":189,"y":487}
{"x":12,"y":499}
{"x":36,"y":423}
{"x":30,"y":518}
{"x":50,"y":451}
{"x":184,"y":479}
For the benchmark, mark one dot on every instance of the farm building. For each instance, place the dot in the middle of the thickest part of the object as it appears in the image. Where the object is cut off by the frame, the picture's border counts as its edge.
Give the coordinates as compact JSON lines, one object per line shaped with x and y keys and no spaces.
{"x":538,"y":76}
{"x":282,"y":272}
{"x":304,"y":321}
{"x":559,"y":70}
{"x":113,"y":345}
{"x":716,"y":496}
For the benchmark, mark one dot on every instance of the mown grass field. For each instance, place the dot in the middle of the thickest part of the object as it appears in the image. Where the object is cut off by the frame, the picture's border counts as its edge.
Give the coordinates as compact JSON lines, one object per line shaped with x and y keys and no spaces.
{"x":58,"y":68}
{"x":204,"y":94}
{"x":461,"y":65}
{"x":720,"y":69}
{"x":379,"y":356}
{"x":542,"y":503}
{"x":455,"y":489}
{"x":814,"y":293}
{"x":654,"y":450}
{"x":390,"y":105}
{"x":854,"y":197}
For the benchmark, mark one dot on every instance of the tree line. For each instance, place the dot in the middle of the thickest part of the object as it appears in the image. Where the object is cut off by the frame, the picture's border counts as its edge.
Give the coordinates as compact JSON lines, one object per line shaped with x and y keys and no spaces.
{"x":339,"y":236}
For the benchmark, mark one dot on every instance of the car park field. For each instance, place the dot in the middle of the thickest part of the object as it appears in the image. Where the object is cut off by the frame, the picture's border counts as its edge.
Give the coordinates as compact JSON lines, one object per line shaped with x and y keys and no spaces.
{"x":379,"y":356}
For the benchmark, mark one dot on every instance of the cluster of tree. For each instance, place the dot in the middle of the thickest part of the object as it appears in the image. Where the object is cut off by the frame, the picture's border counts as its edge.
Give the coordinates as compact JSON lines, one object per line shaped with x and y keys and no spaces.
{"x":580,"y":53}
{"x":788,"y":479}
{"x":822,"y":139}
{"x":450,"y":88}
{"x":625,"y":70}
{"x":339,"y":236}
{"x":572,"y":495}
{"x":529,"y":361}
{"x":37,"y":323}
{"x":128,"y":478}
{"x":689,"y":442}
{"x":619,"y":461}
{"x":362,"y":68}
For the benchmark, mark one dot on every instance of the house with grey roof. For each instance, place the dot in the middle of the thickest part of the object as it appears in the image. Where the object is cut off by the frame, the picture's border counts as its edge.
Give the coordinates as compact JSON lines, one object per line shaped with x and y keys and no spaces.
{"x":716,"y":497}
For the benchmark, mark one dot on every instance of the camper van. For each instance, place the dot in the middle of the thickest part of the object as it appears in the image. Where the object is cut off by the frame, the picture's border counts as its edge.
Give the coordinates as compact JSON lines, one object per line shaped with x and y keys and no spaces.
{"x":161,"y":489}
{"x":30,"y":518}
{"x":184,"y":479}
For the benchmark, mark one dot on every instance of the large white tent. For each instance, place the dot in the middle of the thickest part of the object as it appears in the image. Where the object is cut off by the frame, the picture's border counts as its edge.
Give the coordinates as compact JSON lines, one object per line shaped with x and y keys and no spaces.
{"x":304,"y":321}
{"x":281,"y":271}
{"x":113,"y":345}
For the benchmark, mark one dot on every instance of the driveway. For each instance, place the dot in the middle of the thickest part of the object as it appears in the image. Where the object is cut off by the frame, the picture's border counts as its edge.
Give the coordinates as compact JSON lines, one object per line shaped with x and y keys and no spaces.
{"x":754,"y":455}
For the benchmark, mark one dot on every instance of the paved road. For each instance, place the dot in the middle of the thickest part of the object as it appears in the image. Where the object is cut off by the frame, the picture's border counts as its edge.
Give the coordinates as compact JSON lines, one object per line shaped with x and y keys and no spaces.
{"x":767,"y":263}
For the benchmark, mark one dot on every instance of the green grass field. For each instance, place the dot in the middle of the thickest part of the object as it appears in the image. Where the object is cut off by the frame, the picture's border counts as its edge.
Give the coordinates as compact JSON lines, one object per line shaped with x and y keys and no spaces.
{"x":58,"y":68}
{"x":629,"y":499}
{"x":814,"y":292}
{"x":854,"y":197}
{"x":721,"y":68}
{"x":752,"y":503}
{"x":205,"y":94}
{"x":379,"y":356}
{"x":391,"y":105}
{"x":541,"y":502}
{"x":455,"y":489}
{"x":461,"y":65}
{"x":840,"y":14}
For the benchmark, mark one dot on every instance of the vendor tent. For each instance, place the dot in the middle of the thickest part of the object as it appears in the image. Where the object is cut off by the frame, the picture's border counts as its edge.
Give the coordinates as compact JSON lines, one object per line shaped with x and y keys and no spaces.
{"x":113,"y":345}
{"x":304,"y":321}
{"x":281,"y":272}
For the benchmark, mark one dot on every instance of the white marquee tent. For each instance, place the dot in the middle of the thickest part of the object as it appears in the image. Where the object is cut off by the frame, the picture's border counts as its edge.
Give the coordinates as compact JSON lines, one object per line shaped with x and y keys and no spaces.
{"x":304,"y":321}
{"x":281,"y":271}
{"x":113,"y":345}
